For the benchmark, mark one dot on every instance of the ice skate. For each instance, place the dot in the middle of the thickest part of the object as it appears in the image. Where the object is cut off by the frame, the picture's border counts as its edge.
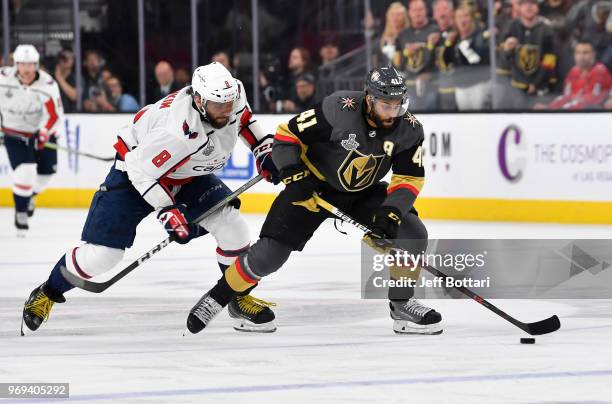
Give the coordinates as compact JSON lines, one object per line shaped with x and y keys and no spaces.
{"x":251,"y":314}
{"x":202,"y":313}
{"x":412,"y":317}
{"x":21,"y":224}
{"x":37,"y":308}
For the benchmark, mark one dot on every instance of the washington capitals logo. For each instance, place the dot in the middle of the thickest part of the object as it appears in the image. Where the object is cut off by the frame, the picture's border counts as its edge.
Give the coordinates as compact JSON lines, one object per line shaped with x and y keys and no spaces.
{"x":187,"y":132}
{"x":348,"y":103}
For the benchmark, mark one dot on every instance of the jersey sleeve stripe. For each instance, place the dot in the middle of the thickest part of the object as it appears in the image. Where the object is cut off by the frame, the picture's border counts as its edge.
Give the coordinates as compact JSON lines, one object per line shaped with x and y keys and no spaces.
{"x":283,"y":134}
{"x":412,"y":184}
{"x":288,"y":139}
{"x":139,"y":114}
{"x":50,"y":107}
{"x":121,"y":147}
{"x":246,"y":133}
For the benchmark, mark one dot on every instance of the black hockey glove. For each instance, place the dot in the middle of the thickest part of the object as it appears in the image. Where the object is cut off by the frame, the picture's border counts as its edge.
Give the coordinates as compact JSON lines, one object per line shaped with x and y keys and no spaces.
{"x":180,"y":230}
{"x":301,"y":183}
{"x":386,"y":222}
{"x":263,"y":158}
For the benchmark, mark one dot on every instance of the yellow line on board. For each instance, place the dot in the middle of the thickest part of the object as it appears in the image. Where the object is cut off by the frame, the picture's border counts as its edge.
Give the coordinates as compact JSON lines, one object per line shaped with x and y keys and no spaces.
{"x":429,"y":208}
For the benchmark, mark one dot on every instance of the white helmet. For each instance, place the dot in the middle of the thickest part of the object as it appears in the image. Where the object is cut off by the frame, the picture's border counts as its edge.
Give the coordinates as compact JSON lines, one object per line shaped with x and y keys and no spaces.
{"x":213,"y":82}
{"x":26,"y":54}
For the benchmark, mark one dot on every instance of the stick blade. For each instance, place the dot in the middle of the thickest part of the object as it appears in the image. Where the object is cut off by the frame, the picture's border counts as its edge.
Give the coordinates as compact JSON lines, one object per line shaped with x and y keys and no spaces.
{"x":546,"y":326}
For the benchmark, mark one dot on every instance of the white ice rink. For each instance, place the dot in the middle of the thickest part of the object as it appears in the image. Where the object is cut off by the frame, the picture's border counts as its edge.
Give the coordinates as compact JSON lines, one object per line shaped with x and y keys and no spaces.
{"x":126,"y":345}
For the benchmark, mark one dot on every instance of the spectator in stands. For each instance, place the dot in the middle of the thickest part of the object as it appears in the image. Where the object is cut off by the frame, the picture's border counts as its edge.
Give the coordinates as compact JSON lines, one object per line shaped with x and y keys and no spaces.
{"x":587,"y":85}
{"x":93,"y":85}
{"x":528,"y":49}
{"x":182,"y":77}
{"x":328,"y":53}
{"x":396,"y":20}
{"x":271,"y":84}
{"x":442,"y":95}
{"x":10,"y":60}
{"x":590,"y":20}
{"x":114,"y":100}
{"x":299,"y":63}
{"x":305,"y":94}
{"x":413,"y":57}
{"x":165,"y":83}
{"x":467,"y":51}
{"x":555,"y":11}
{"x":64,"y":75}
{"x":121,"y":101}
{"x":106,"y":74}
{"x":223,"y":58}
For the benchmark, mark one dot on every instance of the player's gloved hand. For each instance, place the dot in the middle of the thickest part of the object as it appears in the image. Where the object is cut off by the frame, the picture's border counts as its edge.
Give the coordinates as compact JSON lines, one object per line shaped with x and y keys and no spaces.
{"x":41,"y":138}
{"x":173,"y":219}
{"x":302,"y":184}
{"x":263,"y":158}
{"x":385,"y":225}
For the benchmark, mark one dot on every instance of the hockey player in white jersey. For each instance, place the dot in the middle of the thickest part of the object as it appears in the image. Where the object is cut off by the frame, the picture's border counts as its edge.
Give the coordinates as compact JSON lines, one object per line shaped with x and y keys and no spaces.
{"x":32,"y":115}
{"x":165,"y":162}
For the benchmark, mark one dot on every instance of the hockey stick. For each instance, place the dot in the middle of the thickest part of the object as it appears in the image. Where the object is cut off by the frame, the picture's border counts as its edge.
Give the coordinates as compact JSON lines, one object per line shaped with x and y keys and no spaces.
{"x":97,"y":287}
{"x":54,"y":146}
{"x":546,"y":326}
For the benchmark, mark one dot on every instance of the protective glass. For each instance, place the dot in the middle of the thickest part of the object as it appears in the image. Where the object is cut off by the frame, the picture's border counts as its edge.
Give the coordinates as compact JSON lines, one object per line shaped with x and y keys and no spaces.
{"x":388,"y":108}
{"x":219,"y":108}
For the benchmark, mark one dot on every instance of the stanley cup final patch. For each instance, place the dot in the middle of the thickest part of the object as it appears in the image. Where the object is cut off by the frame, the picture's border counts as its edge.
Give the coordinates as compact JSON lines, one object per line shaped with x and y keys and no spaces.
{"x":350,"y":143}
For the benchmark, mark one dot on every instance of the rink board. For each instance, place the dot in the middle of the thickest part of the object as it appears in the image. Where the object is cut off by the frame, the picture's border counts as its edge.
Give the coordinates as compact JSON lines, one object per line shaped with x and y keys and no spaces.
{"x":502,"y":167}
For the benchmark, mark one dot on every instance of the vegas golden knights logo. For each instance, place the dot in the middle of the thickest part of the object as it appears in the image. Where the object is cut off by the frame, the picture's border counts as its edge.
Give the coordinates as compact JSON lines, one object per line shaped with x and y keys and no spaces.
{"x":528,"y":58}
{"x":358,"y":171}
{"x":415,"y":61}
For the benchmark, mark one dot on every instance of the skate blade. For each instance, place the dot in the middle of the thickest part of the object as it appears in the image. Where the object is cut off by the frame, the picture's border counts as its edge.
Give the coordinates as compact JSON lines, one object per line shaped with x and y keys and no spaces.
{"x":408,"y":327}
{"x":21,"y":233}
{"x":25,"y":331}
{"x":243,"y":325}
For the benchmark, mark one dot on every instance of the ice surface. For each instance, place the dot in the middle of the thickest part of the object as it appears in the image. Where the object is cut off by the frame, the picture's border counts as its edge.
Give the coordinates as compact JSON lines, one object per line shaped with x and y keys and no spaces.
{"x":126,"y":345}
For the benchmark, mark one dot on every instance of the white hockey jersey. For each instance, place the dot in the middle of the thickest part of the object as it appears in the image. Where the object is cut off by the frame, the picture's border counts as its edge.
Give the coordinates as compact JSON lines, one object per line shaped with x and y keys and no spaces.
{"x":169,"y":143}
{"x":27,"y":109}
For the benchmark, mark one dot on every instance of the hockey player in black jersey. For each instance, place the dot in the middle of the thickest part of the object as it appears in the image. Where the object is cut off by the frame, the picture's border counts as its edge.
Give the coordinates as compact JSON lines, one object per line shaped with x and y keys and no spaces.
{"x":341,"y":150}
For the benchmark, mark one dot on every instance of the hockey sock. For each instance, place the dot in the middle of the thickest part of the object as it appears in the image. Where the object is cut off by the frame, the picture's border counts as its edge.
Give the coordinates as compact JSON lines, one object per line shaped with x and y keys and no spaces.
{"x":239,"y":277}
{"x":21,"y":202}
{"x":222,"y":292}
{"x":403,"y":274}
{"x":244,"y":293}
{"x":56,"y":281}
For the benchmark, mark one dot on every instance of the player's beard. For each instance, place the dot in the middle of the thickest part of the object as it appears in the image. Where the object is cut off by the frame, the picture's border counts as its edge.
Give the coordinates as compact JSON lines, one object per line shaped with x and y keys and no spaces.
{"x":386,"y":124}
{"x":219,"y":123}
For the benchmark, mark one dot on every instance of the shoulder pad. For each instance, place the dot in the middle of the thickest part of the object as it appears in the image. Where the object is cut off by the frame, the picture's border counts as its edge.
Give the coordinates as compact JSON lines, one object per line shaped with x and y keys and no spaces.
{"x":341,"y":106}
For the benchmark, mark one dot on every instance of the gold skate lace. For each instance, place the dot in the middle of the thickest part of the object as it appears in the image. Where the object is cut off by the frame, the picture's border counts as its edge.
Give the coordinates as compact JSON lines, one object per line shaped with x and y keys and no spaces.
{"x":41,"y":306}
{"x":252,"y":305}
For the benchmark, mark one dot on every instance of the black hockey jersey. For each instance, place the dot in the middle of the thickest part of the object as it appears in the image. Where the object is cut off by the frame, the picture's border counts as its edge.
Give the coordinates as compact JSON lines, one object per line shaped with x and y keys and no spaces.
{"x":336,"y":143}
{"x":533,"y":61}
{"x":421,"y":60}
